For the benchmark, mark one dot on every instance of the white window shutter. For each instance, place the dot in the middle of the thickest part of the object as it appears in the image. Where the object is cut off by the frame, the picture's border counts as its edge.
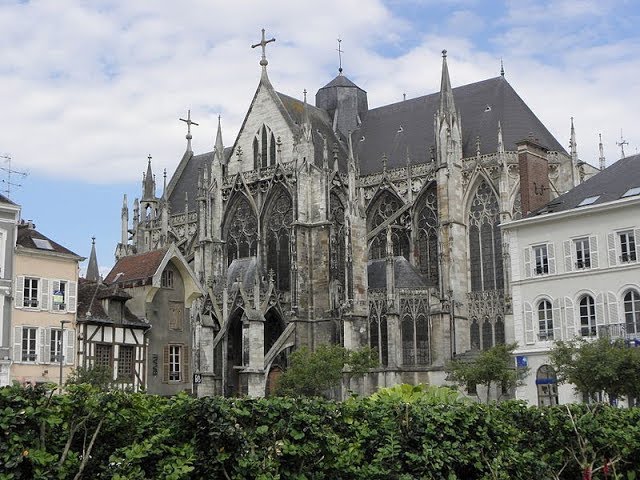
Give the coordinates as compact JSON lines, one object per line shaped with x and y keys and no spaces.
{"x":593,"y":251}
{"x":529,"y":332}
{"x":40,"y":341}
{"x":70,"y":346}
{"x":17,"y":344}
{"x":569,"y":319}
{"x":557,"y":323}
{"x":568,"y":258}
{"x":551,"y":255}
{"x":612,"y":306}
{"x":611,"y":246}
{"x":46,"y":348}
{"x":600,"y":309}
{"x":636,"y":238}
{"x":71,"y":296}
{"x":527,"y":263}
{"x":45,"y":294}
{"x":19,"y":293}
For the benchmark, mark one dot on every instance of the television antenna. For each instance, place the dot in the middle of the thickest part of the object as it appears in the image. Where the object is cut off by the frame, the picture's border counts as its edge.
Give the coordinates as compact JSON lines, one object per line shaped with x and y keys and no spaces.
{"x":8,"y":183}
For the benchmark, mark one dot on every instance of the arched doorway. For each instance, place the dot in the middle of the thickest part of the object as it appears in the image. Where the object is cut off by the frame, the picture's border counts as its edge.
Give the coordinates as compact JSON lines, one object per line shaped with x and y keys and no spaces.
{"x":547,"y":384}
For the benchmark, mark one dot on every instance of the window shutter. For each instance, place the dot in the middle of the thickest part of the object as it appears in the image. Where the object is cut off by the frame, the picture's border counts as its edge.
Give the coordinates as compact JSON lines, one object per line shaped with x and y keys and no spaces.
{"x":593,"y":250}
{"x":551,"y":255}
{"x":611,"y":246}
{"x":19,"y":294}
{"x":44,"y":294}
{"x":636,"y":239}
{"x":557,"y":323}
{"x":612,"y":304}
{"x":17,"y":344}
{"x":529,"y":334}
{"x":600,"y":309}
{"x":70,"y":346}
{"x":527,"y":263}
{"x":186,"y":362}
{"x":570,"y":321}
{"x":568,"y":258}
{"x":46,"y":358}
{"x":71,"y":296}
{"x":41,"y":340}
{"x":165,"y":364}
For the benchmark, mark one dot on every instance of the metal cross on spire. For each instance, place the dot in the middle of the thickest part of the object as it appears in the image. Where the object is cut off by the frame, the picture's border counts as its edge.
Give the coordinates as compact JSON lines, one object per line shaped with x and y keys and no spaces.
{"x":263,"y":43}
{"x":622,"y":143}
{"x":189,"y":122}
{"x":340,"y":52}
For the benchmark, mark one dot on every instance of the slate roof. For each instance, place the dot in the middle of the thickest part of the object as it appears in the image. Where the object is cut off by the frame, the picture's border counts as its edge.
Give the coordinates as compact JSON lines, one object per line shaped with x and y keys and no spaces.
{"x":89,"y":296}
{"x":244,"y":269}
{"x":406,"y":275}
{"x":188,"y":182}
{"x":320,"y":122}
{"x":340,"y":81}
{"x":135,"y":268}
{"x":610,"y":184}
{"x":392,"y":129}
{"x":26,"y":235}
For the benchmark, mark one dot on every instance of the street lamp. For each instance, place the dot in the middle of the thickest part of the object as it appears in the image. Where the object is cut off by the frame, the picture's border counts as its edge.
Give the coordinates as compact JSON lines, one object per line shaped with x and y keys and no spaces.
{"x":60,"y":354}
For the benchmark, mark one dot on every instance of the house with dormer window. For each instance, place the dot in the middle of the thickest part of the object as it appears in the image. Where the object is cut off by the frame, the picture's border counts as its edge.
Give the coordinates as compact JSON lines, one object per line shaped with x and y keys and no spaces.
{"x":576,"y":273}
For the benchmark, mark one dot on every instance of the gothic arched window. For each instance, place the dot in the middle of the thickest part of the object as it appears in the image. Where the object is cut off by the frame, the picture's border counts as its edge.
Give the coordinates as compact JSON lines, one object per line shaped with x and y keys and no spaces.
{"x":632,"y":312}
{"x":264,"y":148}
{"x":385,"y":207}
{"x":337,"y":239}
{"x":241,"y":231}
{"x":485,"y":241}
{"x":427,"y":234}
{"x":475,"y":334}
{"x":277,"y":228}
{"x":487,"y":334}
{"x":378,"y":334}
{"x":415,"y":331}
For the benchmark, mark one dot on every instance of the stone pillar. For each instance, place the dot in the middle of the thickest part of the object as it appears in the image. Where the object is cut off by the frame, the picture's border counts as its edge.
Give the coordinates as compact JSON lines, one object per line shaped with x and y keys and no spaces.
{"x":255,"y":370}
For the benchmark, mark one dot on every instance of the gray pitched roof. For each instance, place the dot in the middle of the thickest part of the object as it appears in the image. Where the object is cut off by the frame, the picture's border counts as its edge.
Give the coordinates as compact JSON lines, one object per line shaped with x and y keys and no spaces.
{"x":392,"y":129}
{"x":340,"y":81}
{"x":188,"y":182}
{"x":609,"y":185}
{"x":406,"y":275}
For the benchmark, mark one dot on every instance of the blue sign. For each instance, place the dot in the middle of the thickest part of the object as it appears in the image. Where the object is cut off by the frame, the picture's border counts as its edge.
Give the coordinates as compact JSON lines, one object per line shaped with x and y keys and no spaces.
{"x":521,"y":361}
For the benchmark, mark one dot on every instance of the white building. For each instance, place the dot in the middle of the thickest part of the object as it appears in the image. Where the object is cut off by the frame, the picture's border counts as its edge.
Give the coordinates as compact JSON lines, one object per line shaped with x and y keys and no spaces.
{"x":576,"y":273}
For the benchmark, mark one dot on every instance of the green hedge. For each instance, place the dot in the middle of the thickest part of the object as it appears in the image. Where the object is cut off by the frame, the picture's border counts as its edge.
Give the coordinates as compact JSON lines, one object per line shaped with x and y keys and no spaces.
{"x":141,"y":436}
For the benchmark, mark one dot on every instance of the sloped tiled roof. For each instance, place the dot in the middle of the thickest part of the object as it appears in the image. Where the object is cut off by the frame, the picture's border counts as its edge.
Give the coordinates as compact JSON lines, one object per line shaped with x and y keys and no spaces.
{"x":26,"y":236}
{"x":405,"y":274}
{"x":135,"y":267}
{"x":392,"y":129}
{"x":89,"y":296}
{"x":608,"y":185}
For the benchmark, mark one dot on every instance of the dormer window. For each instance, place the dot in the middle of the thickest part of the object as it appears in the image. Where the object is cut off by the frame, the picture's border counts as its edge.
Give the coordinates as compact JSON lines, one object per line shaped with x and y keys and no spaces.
{"x":264,"y":148}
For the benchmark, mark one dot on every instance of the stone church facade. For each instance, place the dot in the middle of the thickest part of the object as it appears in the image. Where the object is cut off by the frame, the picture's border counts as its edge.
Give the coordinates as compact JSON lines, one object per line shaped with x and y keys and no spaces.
{"x":338,"y":223}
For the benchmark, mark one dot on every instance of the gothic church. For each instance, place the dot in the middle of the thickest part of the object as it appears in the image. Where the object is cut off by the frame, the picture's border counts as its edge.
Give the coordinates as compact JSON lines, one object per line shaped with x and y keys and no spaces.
{"x":339,"y":223}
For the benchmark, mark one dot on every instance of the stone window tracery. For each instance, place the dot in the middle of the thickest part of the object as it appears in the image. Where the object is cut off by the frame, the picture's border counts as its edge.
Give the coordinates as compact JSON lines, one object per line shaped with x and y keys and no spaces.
{"x":427,"y":235}
{"x":337,"y":239}
{"x":378,"y":334}
{"x":264,"y":148}
{"x":415,"y":331}
{"x":242,"y":231}
{"x":385,"y":207}
{"x":485,"y":241}
{"x":277,"y":227}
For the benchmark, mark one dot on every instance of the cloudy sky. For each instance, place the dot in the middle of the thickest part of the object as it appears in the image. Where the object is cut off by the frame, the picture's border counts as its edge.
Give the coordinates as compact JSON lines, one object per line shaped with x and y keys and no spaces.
{"x":90,"y":88}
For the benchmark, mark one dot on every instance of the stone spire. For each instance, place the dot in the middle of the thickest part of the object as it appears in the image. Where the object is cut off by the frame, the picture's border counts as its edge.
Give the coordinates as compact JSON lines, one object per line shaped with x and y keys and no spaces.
{"x":573,"y":146}
{"x":218,"y":149}
{"x":306,"y":122}
{"x":148,"y":183}
{"x":500,"y":141}
{"x":93,"y":274}
{"x":124,"y":220}
{"x":603,"y":164}
{"x":447,"y":104}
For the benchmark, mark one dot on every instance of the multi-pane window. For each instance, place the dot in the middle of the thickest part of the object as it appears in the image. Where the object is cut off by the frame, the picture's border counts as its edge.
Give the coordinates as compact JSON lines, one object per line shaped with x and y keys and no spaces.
{"x":632,"y":312}
{"x":378,"y":333}
{"x":541,"y":259}
{"x":30,"y":292}
{"x":56,"y":345}
{"x":175,"y":371}
{"x":545,"y":320}
{"x":29,"y":344}
{"x":103,"y":355}
{"x":59,"y":295}
{"x":384,"y":211}
{"x":628,"y":251}
{"x":125,"y":363}
{"x":277,"y":230}
{"x":547,"y":383}
{"x":166,"y":280}
{"x":427,"y":235}
{"x":587,"y":316}
{"x":583,"y":254}
{"x":241,"y":231}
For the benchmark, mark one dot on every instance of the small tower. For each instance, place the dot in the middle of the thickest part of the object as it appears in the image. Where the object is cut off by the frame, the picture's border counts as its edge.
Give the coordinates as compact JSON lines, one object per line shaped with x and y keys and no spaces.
{"x":603,"y":164}
{"x":93,"y":273}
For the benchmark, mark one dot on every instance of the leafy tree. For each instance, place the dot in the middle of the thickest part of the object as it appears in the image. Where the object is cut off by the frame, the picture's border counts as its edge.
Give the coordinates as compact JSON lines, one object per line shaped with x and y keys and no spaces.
{"x":314,"y":374}
{"x":597,"y":366}
{"x":431,"y":394}
{"x":98,"y":376}
{"x":492,"y":367}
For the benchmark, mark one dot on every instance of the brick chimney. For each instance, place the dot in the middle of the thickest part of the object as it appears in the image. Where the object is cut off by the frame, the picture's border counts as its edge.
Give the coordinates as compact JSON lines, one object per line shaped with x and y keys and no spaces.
{"x":534,"y":175}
